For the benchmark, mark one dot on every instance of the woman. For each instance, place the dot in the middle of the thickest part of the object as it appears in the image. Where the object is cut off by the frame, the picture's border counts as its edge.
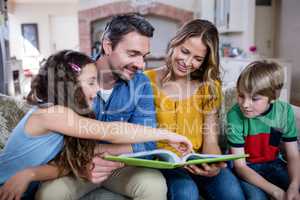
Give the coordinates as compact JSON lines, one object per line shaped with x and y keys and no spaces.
{"x":187,"y":97}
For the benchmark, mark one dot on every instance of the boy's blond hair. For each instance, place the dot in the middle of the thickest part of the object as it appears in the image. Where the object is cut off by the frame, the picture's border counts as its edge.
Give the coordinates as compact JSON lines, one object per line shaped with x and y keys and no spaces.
{"x":261,"y":77}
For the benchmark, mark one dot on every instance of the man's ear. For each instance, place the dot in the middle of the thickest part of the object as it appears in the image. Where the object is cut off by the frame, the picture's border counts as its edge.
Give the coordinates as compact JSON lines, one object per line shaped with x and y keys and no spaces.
{"x":107,"y":46}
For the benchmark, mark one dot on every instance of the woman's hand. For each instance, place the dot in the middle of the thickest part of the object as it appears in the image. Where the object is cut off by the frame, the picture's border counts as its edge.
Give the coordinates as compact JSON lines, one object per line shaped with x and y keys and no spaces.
{"x":208,"y":170}
{"x":14,"y":187}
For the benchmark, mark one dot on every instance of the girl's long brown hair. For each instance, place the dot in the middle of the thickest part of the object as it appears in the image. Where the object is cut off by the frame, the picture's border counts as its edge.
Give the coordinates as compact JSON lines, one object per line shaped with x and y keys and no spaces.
{"x":57,"y":84}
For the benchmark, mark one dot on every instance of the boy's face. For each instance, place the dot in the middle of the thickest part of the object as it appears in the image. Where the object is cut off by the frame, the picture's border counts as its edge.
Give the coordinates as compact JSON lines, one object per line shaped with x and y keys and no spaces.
{"x":128,"y":55}
{"x":252,"y":105}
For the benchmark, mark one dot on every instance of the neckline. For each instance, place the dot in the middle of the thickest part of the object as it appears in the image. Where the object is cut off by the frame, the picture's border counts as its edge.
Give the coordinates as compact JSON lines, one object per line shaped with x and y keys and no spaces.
{"x":159,"y":90}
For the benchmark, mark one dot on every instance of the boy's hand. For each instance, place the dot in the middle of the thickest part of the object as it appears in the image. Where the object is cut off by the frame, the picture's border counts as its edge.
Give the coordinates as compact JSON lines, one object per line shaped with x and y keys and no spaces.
{"x":292,"y":193}
{"x":101,"y":169}
{"x":208,"y":170}
{"x":15,"y":186}
{"x":277,"y":194}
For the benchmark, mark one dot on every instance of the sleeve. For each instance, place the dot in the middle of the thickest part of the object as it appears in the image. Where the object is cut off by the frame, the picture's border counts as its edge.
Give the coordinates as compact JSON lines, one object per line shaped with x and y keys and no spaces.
{"x":290,"y":128}
{"x":144,"y":112}
{"x":211,"y":100}
{"x":234,"y":134}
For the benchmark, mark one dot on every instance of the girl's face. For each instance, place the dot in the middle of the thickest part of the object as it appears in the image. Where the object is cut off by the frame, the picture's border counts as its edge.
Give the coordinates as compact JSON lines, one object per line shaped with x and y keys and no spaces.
{"x":253,"y":105}
{"x":89,"y":83}
{"x":188,"y":56}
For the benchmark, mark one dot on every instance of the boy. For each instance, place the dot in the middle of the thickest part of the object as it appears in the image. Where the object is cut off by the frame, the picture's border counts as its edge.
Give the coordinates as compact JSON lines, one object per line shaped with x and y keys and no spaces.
{"x":257,"y":125}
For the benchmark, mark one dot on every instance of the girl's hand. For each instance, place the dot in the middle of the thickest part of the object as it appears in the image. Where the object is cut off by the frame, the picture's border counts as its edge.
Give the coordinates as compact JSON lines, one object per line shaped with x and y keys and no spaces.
{"x":14,"y":187}
{"x":292,"y":193}
{"x":182,"y":144}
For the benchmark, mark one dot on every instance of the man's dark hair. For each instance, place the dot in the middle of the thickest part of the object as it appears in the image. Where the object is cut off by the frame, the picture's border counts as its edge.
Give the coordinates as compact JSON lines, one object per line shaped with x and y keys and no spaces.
{"x":121,"y":25}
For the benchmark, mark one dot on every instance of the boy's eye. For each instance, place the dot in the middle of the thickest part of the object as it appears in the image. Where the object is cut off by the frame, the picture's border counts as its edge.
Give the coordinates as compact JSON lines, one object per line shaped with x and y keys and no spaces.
{"x":241,"y":96}
{"x":255,"y":98}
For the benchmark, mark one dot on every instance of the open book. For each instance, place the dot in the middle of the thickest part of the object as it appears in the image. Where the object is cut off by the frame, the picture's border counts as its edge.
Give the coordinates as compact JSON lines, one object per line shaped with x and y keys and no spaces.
{"x":165,"y":159}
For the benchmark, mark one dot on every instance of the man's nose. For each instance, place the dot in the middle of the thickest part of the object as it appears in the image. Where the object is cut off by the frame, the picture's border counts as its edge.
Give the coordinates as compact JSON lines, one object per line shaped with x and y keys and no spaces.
{"x":140,"y":63}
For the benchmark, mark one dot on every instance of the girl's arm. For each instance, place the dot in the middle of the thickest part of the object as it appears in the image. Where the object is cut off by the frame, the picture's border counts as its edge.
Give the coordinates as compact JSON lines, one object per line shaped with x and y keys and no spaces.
{"x":64,"y":120}
{"x":251,"y":176}
{"x":293,"y":164}
{"x":18,"y":184}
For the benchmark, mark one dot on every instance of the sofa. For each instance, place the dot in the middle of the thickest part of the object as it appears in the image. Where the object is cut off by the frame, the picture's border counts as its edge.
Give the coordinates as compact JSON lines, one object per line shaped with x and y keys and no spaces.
{"x":13,"y":109}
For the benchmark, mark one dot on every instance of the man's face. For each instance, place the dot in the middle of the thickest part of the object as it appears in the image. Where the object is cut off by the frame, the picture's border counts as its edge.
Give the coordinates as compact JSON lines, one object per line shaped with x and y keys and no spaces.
{"x":128,"y":55}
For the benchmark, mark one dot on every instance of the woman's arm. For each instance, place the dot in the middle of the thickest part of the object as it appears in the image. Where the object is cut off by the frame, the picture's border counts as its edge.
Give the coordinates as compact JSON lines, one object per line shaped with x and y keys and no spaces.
{"x":64,"y":120}
{"x":251,"y":176}
{"x":210,"y":146}
{"x":210,"y":134}
{"x":293,"y":164}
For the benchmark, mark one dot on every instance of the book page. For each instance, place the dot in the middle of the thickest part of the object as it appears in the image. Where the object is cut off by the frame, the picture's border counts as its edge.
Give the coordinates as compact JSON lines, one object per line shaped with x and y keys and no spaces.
{"x":161,"y":154}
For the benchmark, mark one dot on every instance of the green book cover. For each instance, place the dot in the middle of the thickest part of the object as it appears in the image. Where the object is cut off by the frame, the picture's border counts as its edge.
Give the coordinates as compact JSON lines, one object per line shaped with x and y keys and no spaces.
{"x":164,"y":159}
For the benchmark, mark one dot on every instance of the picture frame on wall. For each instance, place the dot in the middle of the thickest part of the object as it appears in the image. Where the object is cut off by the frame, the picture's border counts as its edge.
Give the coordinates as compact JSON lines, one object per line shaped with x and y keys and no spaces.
{"x":30,"y":39}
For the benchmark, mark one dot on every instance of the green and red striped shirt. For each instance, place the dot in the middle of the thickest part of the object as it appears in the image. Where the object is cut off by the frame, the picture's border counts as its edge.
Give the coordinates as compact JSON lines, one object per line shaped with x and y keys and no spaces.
{"x":261,"y":136}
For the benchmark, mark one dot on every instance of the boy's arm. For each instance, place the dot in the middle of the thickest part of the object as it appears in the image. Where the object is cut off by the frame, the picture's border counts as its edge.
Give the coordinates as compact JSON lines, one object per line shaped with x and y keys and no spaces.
{"x":293,"y":164}
{"x":18,"y":184}
{"x":251,"y":176}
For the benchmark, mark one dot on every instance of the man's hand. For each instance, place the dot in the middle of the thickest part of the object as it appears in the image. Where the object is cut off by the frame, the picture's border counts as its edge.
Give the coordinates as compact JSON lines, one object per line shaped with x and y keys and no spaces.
{"x":14,"y":187}
{"x":208,"y":170}
{"x":101,"y":169}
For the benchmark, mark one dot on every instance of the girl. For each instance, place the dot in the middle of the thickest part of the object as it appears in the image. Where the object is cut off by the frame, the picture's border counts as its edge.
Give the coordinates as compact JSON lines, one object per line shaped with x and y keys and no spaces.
{"x":62,"y":94}
{"x":187,"y":96}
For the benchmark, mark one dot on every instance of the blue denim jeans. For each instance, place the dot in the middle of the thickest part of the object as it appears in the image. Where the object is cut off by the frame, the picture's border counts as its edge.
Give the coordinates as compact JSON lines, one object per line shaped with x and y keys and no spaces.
{"x":274,"y":171}
{"x":187,"y":186}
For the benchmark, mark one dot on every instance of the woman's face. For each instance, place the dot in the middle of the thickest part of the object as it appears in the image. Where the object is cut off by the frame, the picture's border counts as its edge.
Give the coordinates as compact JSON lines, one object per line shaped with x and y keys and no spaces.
{"x":188,"y":56}
{"x":89,"y":83}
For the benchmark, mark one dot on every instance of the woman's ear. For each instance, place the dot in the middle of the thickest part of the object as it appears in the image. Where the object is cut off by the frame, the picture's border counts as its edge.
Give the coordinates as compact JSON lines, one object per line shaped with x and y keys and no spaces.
{"x":107,"y":46}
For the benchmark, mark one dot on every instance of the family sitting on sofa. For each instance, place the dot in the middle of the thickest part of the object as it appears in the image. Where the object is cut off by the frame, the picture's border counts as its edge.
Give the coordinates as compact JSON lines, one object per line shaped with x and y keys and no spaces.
{"x":84,"y":109}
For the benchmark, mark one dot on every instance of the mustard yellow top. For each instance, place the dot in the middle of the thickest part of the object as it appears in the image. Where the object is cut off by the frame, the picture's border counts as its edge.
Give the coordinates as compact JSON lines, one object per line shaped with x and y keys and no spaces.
{"x":184,"y":116}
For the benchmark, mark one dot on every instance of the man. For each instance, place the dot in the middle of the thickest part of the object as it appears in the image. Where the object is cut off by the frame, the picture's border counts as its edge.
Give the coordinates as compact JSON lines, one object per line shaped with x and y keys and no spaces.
{"x":125,"y":95}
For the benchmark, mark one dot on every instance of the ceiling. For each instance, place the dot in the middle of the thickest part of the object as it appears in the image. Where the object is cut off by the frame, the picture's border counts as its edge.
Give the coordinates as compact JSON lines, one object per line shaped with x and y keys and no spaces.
{"x":44,"y":1}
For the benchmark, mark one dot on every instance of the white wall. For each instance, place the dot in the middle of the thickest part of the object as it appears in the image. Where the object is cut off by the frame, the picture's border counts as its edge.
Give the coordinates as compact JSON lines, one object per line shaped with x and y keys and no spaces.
{"x":43,"y":15}
{"x":288,"y":40}
{"x":190,"y":5}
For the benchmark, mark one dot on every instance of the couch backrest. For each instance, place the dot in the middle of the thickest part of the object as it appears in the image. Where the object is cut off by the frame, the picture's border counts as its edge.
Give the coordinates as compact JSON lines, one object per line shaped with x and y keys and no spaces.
{"x":11,"y":111}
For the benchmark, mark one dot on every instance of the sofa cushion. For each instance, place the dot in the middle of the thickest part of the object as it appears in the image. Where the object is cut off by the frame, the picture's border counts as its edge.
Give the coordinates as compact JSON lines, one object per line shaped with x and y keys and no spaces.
{"x":11,"y":111}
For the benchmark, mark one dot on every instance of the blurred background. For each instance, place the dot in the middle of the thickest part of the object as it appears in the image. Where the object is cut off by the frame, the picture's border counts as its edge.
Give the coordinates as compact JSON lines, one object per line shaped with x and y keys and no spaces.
{"x":31,"y":30}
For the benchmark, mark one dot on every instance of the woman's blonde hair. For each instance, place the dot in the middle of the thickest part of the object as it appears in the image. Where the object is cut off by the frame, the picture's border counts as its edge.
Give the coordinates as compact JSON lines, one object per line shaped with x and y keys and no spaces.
{"x":261,"y":77}
{"x":209,"y":70}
